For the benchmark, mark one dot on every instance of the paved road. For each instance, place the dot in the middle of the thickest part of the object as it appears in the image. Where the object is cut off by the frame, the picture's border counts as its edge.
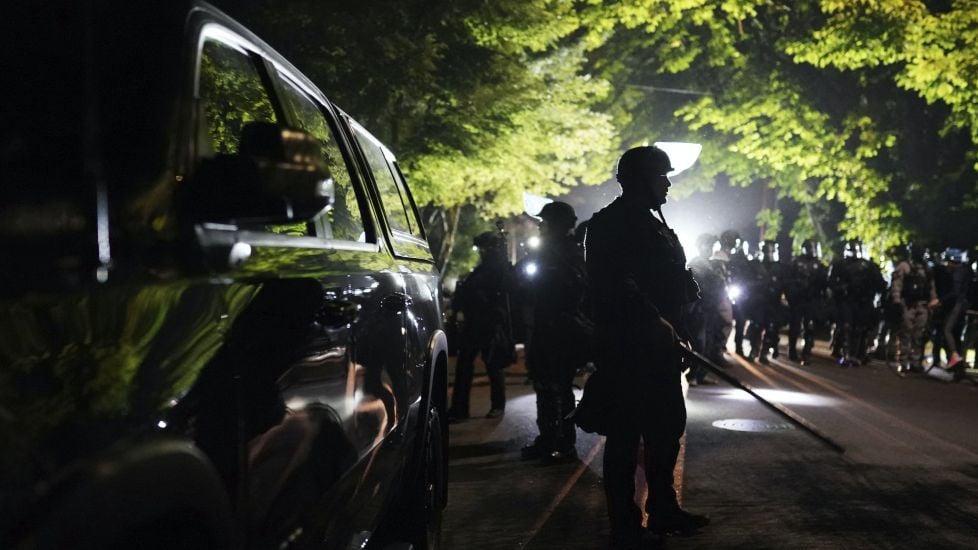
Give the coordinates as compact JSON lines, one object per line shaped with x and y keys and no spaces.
{"x":908,"y":477}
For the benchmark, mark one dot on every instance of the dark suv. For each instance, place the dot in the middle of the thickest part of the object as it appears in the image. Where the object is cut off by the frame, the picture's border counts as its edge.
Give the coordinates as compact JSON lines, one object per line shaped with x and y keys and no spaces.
{"x":219,"y":319}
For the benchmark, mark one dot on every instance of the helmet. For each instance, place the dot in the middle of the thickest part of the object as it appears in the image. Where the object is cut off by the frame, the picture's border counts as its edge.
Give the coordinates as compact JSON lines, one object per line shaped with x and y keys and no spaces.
{"x":489,"y":240}
{"x":853,"y":249}
{"x":810,"y":247}
{"x":730,"y":240}
{"x":916,"y":252}
{"x":769,"y":251}
{"x":704,"y":244}
{"x":558,"y":213}
{"x":639,"y":162}
{"x":956,"y":255}
{"x":899,"y":252}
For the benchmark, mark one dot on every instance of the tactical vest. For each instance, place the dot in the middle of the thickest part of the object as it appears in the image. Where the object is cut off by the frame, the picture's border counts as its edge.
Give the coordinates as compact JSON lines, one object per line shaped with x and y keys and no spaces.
{"x":916,"y":287}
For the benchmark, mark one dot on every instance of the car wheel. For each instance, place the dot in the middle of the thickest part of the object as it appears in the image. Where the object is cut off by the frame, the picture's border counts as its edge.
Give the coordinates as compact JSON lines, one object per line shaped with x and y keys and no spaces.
{"x":428,"y":500}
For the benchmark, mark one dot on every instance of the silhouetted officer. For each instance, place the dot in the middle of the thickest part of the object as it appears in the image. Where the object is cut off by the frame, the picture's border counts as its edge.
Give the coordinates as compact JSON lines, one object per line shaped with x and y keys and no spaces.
{"x":739,"y":274}
{"x":555,"y":279}
{"x":855,"y":283}
{"x":805,"y":290}
{"x":639,"y":285}
{"x":763,"y":306}
{"x":483,"y":301}
{"x":709,"y":319}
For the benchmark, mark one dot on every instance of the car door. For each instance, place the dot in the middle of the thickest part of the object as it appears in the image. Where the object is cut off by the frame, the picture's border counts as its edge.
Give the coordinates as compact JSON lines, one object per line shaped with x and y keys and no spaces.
{"x":315,"y":343}
{"x":406,"y":237}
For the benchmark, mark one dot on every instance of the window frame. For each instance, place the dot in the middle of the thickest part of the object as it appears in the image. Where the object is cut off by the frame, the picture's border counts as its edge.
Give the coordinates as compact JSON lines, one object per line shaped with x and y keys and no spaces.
{"x":278,"y":74}
{"x":393,"y":236}
{"x":270,"y":70}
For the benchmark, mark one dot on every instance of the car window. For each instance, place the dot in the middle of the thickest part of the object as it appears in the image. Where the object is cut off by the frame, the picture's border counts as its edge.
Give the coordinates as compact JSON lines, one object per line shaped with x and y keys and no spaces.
{"x":416,"y":227}
{"x":343,"y":220}
{"x":231,"y":94}
{"x":394,"y":203}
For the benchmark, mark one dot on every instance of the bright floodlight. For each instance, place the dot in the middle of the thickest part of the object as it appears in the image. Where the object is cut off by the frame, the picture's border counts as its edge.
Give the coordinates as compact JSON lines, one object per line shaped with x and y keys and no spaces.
{"x":533,"y":204}
{"x":682,"y":154}
{"x":533,"y":242}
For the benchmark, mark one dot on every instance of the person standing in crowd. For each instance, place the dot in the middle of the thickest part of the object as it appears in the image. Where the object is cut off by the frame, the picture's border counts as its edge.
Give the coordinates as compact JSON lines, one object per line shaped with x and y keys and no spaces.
{"x":912,"y":297}
{"x":554,"y":281}
{"x":855,"y":283}
{"x":738,"y":269}
{"x":805,"y":290}
{"x":764,"y":303}
{"x":639,"y":285}
{"x":891,"y":314}
{"x":482,"y":302}
{"x":953,"y":299}
{"x":711,"y":318}
{"x":869,"y":288}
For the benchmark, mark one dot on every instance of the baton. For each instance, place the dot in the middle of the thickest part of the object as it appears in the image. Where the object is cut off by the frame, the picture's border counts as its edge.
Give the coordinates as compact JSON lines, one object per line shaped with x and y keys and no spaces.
{"x":776,"y":407}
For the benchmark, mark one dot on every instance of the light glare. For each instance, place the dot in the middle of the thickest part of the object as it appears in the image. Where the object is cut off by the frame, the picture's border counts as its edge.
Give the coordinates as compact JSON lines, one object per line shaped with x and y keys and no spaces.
{"x":682,"y":155}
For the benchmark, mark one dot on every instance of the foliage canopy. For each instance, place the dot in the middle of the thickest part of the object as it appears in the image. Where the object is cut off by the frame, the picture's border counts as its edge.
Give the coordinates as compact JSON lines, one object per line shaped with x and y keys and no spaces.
{"x":861,"y":107}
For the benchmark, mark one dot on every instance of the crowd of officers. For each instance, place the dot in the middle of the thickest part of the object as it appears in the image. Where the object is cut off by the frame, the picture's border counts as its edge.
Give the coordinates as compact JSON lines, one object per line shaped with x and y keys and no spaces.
{"x":633,"y":301}
{"x":889,"y":314}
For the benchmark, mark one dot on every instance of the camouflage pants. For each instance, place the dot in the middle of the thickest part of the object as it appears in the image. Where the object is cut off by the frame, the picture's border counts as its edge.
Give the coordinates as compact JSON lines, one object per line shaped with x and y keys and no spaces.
{"x":912,"y":333}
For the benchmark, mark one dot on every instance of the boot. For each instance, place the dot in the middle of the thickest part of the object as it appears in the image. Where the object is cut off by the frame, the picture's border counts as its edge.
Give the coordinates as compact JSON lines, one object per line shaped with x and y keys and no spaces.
{"x":677,"y":522}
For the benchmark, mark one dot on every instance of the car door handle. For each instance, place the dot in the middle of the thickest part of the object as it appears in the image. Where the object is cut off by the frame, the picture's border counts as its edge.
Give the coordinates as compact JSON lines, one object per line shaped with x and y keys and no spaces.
{"x":396,"y":302}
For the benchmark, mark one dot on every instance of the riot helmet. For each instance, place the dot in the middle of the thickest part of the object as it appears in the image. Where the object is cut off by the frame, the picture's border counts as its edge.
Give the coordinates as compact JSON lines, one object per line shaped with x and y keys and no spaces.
{"x":916,"y":253}
{"x":639,"y":163}
{"x":730,"y":241}
{"x":853,"y":249}
{"x":811,"y":248}
{"x":704,"y":244}
{"x":488,"y":241}
{"x":558,"y":215}
{"x":955,"y":255}
{"x":899,"y":253}
{"x":768,"y":251}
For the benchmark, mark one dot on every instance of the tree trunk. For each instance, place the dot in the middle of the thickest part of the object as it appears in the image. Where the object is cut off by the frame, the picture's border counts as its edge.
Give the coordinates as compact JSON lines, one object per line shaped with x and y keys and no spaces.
{"x":450,"y":230}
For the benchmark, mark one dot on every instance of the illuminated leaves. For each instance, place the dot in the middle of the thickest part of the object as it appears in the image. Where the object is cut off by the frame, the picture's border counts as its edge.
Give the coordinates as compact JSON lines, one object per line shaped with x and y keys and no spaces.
{"x":550,"y":145}
{"x":483,"y":100}
{"x":935,"y":54}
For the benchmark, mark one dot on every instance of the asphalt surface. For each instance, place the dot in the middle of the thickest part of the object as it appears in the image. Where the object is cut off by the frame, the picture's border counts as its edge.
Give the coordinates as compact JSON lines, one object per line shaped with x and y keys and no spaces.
{"x":908,"y":477}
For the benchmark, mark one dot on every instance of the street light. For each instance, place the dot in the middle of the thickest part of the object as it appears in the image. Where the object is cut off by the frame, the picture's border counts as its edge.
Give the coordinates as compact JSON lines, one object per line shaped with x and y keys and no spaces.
{"x":533,"y":204}
{"x":682,"y":154}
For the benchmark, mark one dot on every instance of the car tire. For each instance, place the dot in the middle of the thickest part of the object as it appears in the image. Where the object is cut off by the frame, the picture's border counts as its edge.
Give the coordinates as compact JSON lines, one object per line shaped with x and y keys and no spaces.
{"x":427,"y":497}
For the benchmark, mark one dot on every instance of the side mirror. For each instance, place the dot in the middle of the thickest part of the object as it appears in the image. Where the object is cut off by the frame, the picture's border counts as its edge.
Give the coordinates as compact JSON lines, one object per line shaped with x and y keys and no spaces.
{"x":278,"y":176}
